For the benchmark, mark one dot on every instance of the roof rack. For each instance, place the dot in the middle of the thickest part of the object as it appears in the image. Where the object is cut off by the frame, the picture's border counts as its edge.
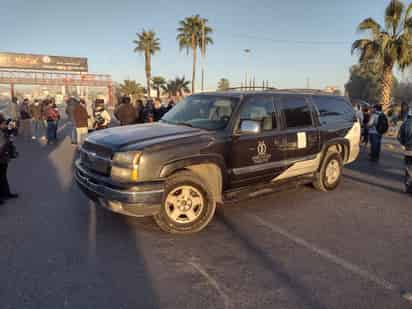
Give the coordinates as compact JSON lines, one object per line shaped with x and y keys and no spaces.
{"x":305,"y":90}
{"x":252,"y":88}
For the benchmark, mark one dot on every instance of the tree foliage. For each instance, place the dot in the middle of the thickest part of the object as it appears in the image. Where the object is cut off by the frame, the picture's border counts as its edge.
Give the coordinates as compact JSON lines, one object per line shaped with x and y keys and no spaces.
{"x":132,"y":88}
{"x":386,"y":46}
{"x":190,"y":37}
{"x":178,"y":86}
{"x":365,"y":84}
{"x":157,"y":83}
{"x":147,"y":43}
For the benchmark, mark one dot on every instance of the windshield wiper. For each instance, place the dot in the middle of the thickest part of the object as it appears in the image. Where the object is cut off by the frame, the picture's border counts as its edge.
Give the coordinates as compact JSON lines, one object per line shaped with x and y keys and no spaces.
{"x":183,"y":124}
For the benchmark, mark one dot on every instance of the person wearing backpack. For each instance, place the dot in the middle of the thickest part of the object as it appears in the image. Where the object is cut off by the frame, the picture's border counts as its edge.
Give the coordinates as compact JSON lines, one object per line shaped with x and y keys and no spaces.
{"x":378,"y":126}
{"x":405,"y":139}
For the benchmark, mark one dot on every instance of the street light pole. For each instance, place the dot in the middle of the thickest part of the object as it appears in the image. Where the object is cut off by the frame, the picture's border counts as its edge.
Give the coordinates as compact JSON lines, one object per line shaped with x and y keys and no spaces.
{"x":247,"y":51}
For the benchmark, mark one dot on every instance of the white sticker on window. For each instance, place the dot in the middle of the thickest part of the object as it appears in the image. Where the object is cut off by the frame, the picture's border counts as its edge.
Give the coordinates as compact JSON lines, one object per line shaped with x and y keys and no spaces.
{"x":302,"y":142}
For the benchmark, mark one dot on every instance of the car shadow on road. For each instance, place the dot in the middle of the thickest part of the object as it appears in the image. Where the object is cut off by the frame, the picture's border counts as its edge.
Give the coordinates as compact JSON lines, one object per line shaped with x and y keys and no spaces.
{"x":379,"y":174}
{"x":63,"y":252}
{"x":303,"y":293}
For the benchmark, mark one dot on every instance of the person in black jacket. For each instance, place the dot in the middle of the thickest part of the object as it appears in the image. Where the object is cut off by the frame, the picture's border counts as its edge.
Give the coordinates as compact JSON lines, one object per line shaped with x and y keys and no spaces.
{"x":158,"y":110}
{"x":405,"y":138}
{"x":7,"y":152}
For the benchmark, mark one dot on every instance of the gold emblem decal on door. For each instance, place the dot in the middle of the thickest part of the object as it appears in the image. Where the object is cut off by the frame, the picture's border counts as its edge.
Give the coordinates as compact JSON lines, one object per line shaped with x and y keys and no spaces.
{"x":262,"y":155}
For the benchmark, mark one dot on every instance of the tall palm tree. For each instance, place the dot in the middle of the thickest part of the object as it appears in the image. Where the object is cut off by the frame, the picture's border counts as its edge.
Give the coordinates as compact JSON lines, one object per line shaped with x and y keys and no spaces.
{"x":147,"y":44}
{"x":157,"y":83}
{"x":387,"y":47}
{"x":132,"y":88}
{"x":190,"y":37}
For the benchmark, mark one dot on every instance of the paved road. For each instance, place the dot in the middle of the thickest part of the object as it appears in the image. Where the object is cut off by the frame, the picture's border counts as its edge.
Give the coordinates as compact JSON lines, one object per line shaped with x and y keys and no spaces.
{"x":297,"y":249}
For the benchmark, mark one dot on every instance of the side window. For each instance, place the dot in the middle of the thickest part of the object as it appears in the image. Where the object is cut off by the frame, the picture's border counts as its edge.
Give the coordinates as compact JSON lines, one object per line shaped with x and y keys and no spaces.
{"x":333,"y":109}
{"x":296,"y":111}
{"x":261,"y":109}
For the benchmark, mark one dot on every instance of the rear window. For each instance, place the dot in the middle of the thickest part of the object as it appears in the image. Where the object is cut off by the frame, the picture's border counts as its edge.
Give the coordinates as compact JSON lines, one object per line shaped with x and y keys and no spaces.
{"x":296,"y":111}
{"x":333,"y":110}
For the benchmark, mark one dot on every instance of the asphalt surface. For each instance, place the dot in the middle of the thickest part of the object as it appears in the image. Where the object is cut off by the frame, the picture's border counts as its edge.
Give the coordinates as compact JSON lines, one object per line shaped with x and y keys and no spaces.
{"x":350,"y":248}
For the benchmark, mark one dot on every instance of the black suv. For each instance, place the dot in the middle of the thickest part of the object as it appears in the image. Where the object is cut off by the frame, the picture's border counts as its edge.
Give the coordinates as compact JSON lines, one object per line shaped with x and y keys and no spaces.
{"x":214,"y":146}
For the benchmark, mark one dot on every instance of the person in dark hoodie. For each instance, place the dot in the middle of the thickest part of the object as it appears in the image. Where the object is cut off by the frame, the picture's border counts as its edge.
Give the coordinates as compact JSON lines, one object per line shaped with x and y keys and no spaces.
{"x":405,"y":139}
{"x":125,"y":112}
{"x":6,"y":154}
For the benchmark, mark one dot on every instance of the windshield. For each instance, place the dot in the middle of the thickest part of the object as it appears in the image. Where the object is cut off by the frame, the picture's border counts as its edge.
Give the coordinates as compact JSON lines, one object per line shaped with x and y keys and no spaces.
{"x":204,"y":112}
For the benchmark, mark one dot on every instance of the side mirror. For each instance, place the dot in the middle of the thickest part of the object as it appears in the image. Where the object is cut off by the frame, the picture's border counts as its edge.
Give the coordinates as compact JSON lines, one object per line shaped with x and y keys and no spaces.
{"x":249,"y":127}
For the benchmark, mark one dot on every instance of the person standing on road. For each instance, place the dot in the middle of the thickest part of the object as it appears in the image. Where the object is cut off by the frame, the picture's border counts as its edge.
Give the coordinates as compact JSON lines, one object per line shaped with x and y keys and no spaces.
{"x":52,"y":118}
{"x":100,"y":115}
{"x":81,"y":119}
{"x":365,"y":127}
{"x":378,"y":126}
{"x":158,"y":110}
{"x":37,"y":119}
{"x":405,"y":139}
{"x":125,"y":112}
{"x":71,"y":103}
{"x":6,"y":153}
{"x":25,"y":119}
{"x":139,"y":111}
{"x":148,"y":111}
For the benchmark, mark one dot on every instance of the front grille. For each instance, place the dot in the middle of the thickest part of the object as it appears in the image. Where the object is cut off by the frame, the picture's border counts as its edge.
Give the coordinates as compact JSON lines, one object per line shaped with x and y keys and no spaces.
{"x":97,"y":158}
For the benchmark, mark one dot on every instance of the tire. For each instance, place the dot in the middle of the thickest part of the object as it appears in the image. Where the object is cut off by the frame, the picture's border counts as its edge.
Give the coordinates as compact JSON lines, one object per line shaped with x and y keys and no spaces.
{"x":325,"y":182}
{"x":188,"y":204}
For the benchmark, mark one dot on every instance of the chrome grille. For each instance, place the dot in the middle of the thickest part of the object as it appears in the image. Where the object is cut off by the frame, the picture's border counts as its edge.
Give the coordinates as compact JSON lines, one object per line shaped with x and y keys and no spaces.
{"x":96,"y":158}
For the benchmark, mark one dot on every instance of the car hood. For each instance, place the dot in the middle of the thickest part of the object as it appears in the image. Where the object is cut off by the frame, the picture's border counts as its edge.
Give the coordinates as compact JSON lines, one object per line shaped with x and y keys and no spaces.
{"x":141,"y":135}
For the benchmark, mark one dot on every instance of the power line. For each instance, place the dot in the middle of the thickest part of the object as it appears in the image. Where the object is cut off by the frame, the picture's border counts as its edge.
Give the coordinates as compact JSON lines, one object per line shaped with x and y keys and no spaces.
{"x":255,"y":37}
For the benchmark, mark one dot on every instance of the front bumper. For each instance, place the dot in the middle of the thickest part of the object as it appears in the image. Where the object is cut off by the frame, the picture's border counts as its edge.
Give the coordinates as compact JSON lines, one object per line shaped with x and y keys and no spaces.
{"x":139,"y":200}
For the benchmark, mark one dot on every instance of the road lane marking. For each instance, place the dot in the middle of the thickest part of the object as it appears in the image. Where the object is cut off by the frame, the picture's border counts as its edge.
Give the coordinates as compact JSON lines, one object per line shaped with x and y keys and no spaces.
{"x":92,"y":231}
{"x":212,"y":282}
{"x":328,"y":256}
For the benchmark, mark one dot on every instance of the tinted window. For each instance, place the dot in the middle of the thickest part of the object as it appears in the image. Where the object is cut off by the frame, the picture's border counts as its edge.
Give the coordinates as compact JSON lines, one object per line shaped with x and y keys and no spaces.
{"x":261,"y":109}
{"x":296,"y":111}
{"x":333,"y":109}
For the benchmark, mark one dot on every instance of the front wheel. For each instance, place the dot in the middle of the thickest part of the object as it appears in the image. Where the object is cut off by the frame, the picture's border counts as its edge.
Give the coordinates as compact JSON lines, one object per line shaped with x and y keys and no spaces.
{"x":188,"y":204}
{"x":330,"y":173}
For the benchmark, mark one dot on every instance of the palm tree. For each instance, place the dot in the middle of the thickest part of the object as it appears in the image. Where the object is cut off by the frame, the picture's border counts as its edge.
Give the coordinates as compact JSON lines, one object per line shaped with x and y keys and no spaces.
{"x":182,"y":85}
{"x":132,"y":88}
{"x":190,"y":37}
{"x":148,"y":44}
{"x":170,"y":88}
{"x":387,"y":47}
{"x":157,"y":83}
{"x":223,"y":84}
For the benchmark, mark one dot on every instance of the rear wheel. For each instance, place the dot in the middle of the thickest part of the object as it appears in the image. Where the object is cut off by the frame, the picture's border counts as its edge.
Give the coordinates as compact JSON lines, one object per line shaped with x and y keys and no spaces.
{"x":188,"y":204}
{"x":330,"y":173}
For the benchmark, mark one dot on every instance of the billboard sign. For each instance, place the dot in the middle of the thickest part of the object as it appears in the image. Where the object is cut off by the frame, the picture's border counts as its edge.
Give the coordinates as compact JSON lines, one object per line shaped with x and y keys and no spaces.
{"x":42,"y":62}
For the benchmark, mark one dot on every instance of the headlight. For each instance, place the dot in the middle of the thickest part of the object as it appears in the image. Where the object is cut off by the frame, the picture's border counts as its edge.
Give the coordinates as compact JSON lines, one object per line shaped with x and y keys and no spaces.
{"x":122,"y":174}
{"x":127,"y":159}
{"x":125,"y":167}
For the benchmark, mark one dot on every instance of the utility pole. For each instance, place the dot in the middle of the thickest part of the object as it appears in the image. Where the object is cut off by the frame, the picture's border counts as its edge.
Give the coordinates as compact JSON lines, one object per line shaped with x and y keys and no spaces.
{"x":307,"y":83}
{"x":203,"y":54}
{"x":247,"y":51}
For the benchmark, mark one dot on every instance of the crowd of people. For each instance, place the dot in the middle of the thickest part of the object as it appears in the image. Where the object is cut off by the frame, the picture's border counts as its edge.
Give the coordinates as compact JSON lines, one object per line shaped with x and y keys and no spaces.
{"x":141,"y":112}
{"x":36,"y":120}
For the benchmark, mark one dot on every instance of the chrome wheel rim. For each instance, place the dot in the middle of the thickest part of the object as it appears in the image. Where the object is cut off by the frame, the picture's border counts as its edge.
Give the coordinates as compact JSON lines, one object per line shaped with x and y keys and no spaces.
{"x":184,"y":204}
{"x":332,"y":171}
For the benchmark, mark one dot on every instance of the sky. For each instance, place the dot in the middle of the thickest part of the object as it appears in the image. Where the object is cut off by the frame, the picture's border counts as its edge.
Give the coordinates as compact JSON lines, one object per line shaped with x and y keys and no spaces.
{"x":290,"y":41}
